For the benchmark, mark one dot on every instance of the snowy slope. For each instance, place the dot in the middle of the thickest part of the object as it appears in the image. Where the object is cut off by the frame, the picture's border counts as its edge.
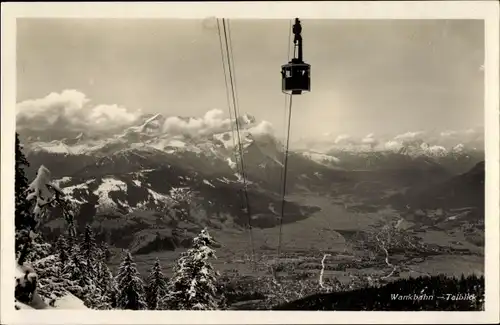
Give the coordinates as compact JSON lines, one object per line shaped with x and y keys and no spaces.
{"x":69,"y":301}
{"x":23,"y":280}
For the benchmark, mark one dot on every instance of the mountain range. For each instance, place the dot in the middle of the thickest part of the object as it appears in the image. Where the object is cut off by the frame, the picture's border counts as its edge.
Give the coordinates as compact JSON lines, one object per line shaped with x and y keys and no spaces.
{"x":122,"y":182}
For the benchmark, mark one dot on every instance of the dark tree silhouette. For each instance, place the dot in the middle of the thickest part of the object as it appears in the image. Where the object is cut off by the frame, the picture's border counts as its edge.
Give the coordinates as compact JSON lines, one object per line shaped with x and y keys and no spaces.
{"x":24,"y":220}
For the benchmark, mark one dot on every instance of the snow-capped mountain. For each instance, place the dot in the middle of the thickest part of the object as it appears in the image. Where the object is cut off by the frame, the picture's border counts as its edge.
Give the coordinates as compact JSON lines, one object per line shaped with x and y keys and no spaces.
{"x":148,"y":133}
{"x":154,"y":144}
{"x":371,"y":152}
{"x":135,"y":171}
{"x":129,"y":175}
{"x":418,"y":143}
{"x":148,"y":145}
{"x":153,"y":137}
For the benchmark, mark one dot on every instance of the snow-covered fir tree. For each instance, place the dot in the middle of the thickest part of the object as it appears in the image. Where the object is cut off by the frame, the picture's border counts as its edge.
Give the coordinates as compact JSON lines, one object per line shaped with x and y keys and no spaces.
{"x":38,"y":195}
{"x":193,"y":286}
{"x":41,"y":195}
{"x":28,"y":244}
{"x":89,"y":251}
{"x":51,"y":284}
{"x":82,"y":284}
{"x":71,"y":237}
{"x":36,"y":248}
{"x":95,"y":298}
{"x":156,"y":287}
{"x":106,"y":253}
{"x":24,"y":221}
{"x":131,"y":294}
{"x":105,"y":280}
{"x":62,"y":249}
{"x":74,"y":270}
{"x":36,"y":258}
{"x":39,"y":271}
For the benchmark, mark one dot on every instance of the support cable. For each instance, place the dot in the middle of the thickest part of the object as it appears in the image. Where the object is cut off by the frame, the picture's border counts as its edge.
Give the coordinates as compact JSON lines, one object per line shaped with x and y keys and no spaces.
{"x":226,"y":85}
{"x":285,"y":167}
{"x":243,"y":173}
{"x":288,"y":100}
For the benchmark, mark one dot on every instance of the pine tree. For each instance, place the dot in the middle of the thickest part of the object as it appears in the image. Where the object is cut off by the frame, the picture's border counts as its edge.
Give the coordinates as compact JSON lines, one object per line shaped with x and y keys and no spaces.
{"x":74,"y":271}
{"x":130,"y":285}
{"x":72,"y":233}
{"x":51,"y":284}
{"x":193,"y":285}
{"x":38,"y":248}
{"x":95,"y":298}
{"x":106,"y":253}
{"x":41,"y":194}
{"x":89,"y":251}
{"x":109,"y":287}
{"x":105,"y":280}
{"x":62,"y":249}
{"x":157,"y":286}
{"x":24,"y":221}
{"x":82,"y":284}
{"x":21,"y":185}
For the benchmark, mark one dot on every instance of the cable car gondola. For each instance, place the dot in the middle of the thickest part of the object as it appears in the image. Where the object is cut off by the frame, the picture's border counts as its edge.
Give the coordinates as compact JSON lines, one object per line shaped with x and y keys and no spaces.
{"x":296,"y":77}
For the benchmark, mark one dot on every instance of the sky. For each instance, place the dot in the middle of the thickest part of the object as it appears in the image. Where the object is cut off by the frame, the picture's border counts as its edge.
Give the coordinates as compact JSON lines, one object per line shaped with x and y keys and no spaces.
{"x":367,"y":76}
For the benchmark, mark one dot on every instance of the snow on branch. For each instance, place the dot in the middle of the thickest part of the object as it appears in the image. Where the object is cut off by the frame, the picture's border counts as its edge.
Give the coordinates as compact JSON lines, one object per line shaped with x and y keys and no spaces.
{"x":193,"y":283}
{"x":43,"y":192}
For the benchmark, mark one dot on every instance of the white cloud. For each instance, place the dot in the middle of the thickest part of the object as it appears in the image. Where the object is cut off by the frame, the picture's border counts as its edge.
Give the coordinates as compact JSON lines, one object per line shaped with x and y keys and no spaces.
{"x":393,"y":145}
{"x":408,"y":135}
{"x":71,"y":111}
{"x":433,"y":150}
{"x":264,"y":128}
{"x":437,"y":150}
{"x":212,"y":122}
{"x":105,"y":115}
{"x":370,"y":139}
{"x":177,"y":126}
{"x":343,"y":139}
{"x":449,"y":133}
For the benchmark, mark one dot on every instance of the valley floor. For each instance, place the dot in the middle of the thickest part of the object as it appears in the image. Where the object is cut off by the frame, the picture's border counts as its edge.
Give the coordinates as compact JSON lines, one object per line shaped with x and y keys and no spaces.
{"x":330,"y":231}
